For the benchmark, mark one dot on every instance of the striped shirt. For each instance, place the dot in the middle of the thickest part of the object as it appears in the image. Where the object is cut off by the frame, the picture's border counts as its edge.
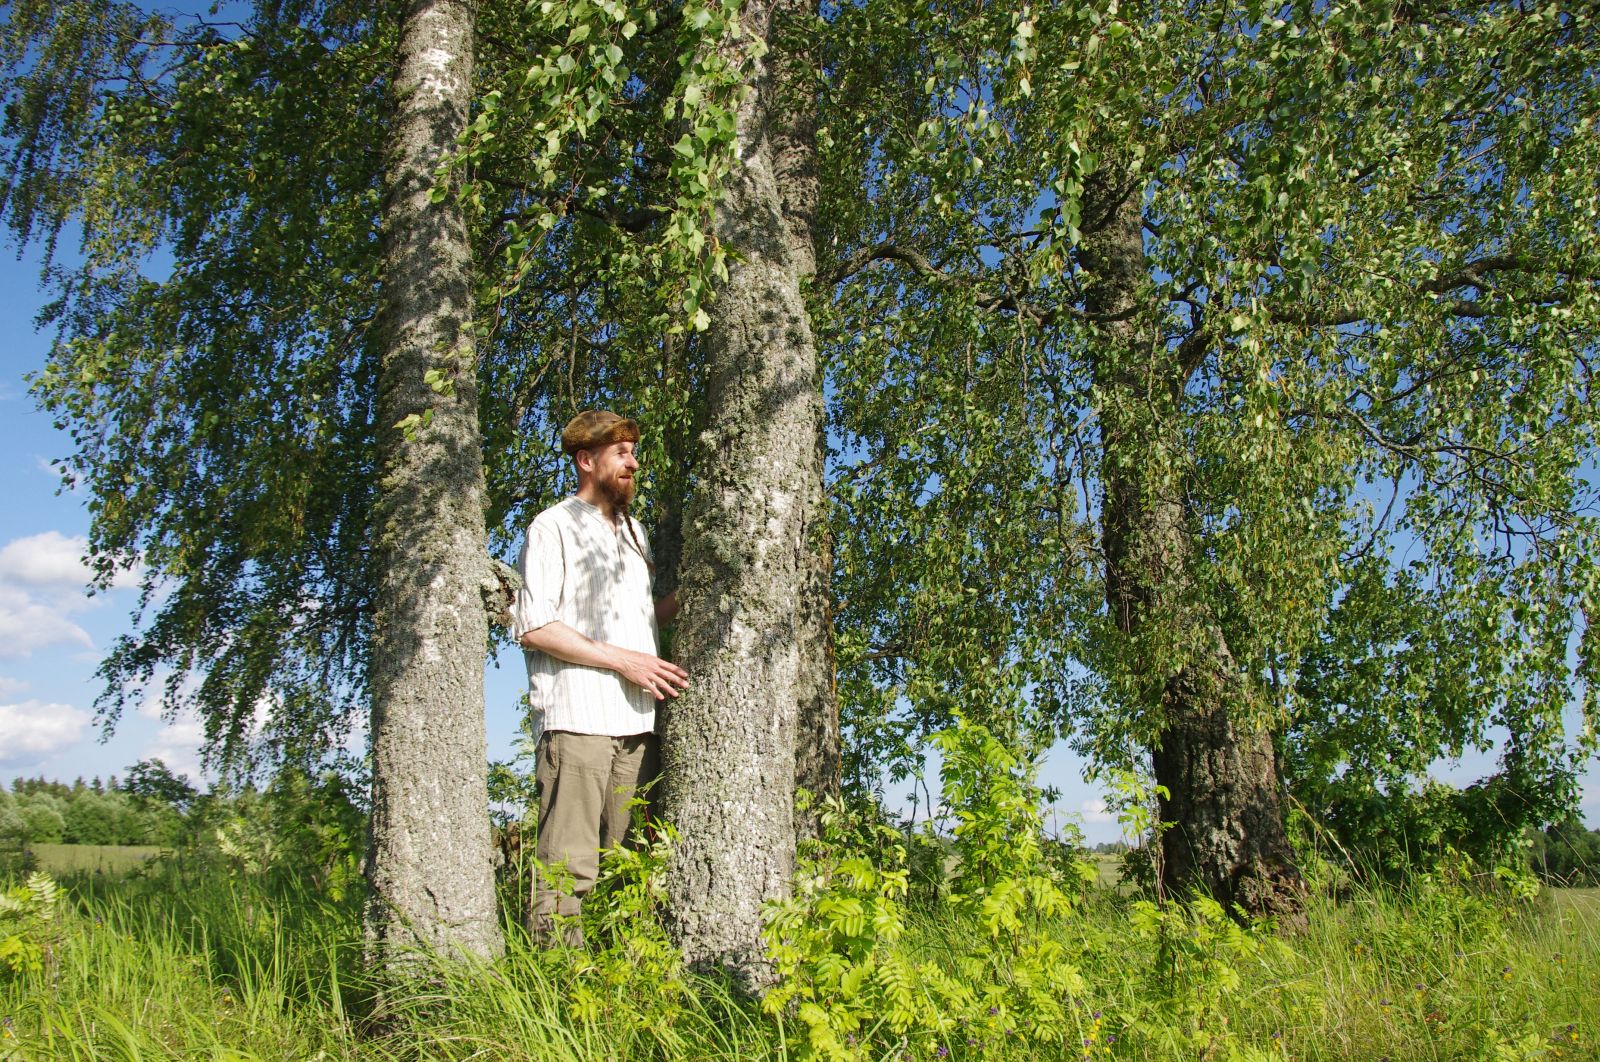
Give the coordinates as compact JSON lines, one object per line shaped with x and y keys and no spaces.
{"x":580,"y":568}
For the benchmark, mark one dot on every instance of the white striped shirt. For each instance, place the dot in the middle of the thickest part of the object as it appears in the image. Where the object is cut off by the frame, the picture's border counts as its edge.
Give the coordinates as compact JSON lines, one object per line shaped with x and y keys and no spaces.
{"x":580,"y":568}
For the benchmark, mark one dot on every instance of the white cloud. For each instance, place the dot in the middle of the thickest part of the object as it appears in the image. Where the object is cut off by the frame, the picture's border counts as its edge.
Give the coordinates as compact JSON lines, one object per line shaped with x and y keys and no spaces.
{"x":51,"y":560}
{"x":33,"y":729}
{"x":1096,"y":810}
{"x":355,"y":739}
{"x":27,"y":624}
{"x":64,"y":473}
{"x":10,"y":687}
{"x":177,"y":744}
{"x":43,"y":581}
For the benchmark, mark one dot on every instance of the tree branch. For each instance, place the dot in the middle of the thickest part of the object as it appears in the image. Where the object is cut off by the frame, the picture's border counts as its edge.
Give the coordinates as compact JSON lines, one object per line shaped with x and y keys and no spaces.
{"x":1473,"y":274}
{"x":986,"y":300}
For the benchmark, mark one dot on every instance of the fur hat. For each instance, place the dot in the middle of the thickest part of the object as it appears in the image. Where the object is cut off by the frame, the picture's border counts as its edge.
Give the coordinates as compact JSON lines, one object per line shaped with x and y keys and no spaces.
{"x":596,"y":427}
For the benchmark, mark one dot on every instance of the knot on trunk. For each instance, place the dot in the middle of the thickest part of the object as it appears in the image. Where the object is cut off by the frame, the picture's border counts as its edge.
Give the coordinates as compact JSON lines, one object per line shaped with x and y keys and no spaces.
{"x":1276,"y":892}
{"x":500,"y":584}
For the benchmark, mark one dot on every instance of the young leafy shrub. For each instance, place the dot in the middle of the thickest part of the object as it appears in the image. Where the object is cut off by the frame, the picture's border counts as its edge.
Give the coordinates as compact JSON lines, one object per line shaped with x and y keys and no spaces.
{"x":1200,"y":957}
{"x":27,"y":926}
{"x":832,"y":941}
{"x":632,"y":966}
{"x":1443,"y":909}
{"x":1005,"y":978}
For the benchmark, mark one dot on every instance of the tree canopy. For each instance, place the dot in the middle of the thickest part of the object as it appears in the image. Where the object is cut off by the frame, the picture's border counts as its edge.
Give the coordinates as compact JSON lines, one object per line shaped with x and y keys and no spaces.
{"x":1164,"y":344}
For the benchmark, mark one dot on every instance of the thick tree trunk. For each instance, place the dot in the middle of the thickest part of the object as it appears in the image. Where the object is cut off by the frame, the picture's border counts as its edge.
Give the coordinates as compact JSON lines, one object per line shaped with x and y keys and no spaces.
{"x":729,"y":761}
{"x":817,"y":739}
{"x":1228,"y":836}
{"x":430,"y":864}
{"x":794,"y":140}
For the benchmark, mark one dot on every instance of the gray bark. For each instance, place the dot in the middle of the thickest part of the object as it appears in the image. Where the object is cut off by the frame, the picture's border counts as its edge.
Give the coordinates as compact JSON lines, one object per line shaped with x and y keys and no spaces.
{"x":430,"y":864}
{"x":794,"y":139}
{"x":1228,"y":836}
{"x":729,"y":760}
{"x":817,"y":738}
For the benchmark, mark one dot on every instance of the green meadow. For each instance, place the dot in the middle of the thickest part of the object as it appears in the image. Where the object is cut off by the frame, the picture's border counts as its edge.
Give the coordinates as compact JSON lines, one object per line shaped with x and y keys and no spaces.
{"x":196,"y":962}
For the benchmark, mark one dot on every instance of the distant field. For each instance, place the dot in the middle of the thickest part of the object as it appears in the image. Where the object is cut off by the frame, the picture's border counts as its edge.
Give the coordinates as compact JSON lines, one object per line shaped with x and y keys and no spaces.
{"x":112,"y":858}
{"x":1582,"y":902}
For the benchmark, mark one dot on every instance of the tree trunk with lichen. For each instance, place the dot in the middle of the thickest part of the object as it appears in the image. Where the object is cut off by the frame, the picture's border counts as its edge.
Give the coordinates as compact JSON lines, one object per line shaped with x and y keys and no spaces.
{"x":794,"y":138}
{"x":729,"y":751}
{"x":1227,"y":835}
{"x":429,"y":863}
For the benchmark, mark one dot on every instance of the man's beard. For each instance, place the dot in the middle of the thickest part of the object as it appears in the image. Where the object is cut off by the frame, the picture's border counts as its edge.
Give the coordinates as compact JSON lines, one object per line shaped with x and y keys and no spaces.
{"x":617,"y":491}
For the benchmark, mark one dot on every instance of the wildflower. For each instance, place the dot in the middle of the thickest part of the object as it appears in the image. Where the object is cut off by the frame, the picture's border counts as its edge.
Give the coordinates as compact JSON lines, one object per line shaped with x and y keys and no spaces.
{"x":7,"y":1032}
{"x":943,"y":1051}
{"x":1505,"y":973}
{"x":1277,"y":1036}
{"x":1111,"y":1038}
{"x":1010,"y":1031}
{"x":994,"y":1011}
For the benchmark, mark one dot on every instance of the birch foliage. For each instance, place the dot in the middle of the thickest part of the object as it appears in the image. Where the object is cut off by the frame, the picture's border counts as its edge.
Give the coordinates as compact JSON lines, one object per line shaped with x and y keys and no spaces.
{"x":1371,"y":253}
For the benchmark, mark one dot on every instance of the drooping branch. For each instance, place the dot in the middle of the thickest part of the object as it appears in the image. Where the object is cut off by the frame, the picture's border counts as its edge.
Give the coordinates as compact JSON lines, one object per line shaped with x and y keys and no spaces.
{"x":1473,"y":274}
{"x":985,"y":299}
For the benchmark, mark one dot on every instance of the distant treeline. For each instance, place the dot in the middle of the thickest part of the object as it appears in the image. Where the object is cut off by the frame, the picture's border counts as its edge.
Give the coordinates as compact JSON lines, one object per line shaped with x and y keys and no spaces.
{"x":318,"y":818}
{"x":148,"y":807}
{"x":1567,"y":854}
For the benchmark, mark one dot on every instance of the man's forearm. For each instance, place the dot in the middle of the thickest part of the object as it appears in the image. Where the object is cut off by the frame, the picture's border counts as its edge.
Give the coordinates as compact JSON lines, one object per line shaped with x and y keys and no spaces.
{"x":562,"y":642}
{"x":657,"y":677}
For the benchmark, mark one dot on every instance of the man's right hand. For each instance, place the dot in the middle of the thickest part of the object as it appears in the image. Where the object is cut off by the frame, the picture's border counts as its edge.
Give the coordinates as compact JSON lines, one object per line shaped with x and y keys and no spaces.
{"x":657,"y":677}
{"x":649,"y":672}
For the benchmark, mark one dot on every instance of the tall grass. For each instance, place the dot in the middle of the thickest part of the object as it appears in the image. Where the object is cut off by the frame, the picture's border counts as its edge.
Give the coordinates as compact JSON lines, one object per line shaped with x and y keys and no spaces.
{"x":186,"y":962}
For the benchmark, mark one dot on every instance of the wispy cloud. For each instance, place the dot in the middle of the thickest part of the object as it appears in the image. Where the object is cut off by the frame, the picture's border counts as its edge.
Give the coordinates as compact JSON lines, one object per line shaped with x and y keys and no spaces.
{"x":34,"y":729}
{"x":1096,"y":810}
{"x":53,"y":561}
{"x":177,"y":744}
{"x":43,"y":583}
{"x":28,"y":624}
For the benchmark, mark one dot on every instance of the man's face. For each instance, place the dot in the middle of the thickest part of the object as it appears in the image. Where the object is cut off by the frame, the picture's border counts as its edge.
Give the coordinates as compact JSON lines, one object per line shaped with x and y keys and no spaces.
{"x":612,"y":466}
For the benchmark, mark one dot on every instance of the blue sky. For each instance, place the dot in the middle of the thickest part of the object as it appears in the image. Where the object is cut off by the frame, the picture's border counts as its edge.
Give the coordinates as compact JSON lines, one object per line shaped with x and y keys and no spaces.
{"x":52,"y":634}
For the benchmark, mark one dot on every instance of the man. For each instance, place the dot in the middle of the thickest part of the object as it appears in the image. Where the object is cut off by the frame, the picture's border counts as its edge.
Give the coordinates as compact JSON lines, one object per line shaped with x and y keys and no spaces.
{"x":587,"y":624}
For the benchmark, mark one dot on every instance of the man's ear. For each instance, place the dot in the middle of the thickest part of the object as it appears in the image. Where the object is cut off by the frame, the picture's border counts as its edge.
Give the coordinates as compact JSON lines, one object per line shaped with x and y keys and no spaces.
{"x":584,"y":460}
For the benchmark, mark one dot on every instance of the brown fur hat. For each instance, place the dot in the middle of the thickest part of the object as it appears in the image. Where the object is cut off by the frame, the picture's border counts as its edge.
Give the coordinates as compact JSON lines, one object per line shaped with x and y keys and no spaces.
{"x":596,"y":427}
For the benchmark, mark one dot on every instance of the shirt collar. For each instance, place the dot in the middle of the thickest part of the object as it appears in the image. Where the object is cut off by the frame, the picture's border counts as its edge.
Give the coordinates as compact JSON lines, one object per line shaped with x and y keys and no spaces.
{"x":594,"y":511}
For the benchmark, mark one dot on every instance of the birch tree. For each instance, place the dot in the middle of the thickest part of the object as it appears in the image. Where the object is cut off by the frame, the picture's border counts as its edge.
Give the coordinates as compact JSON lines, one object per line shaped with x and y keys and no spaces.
{"x":1226,"y":278}
{"x":429,"y":862}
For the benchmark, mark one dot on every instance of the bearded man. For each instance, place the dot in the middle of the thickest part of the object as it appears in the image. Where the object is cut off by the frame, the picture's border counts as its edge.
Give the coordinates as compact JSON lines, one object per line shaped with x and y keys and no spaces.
{"x":587,"y":621}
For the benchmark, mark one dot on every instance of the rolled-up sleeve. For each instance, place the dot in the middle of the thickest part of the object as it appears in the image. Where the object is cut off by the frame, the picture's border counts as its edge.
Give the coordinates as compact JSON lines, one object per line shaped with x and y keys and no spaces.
{"x":540,"y":565}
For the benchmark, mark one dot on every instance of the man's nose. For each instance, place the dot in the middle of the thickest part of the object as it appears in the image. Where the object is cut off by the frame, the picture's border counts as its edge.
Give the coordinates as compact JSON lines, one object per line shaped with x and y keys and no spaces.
{"x":630,"y":462}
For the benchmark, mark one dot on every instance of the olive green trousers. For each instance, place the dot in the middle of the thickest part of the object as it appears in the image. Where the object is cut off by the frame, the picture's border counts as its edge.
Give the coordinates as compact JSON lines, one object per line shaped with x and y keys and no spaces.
{"x":587,"y":785}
